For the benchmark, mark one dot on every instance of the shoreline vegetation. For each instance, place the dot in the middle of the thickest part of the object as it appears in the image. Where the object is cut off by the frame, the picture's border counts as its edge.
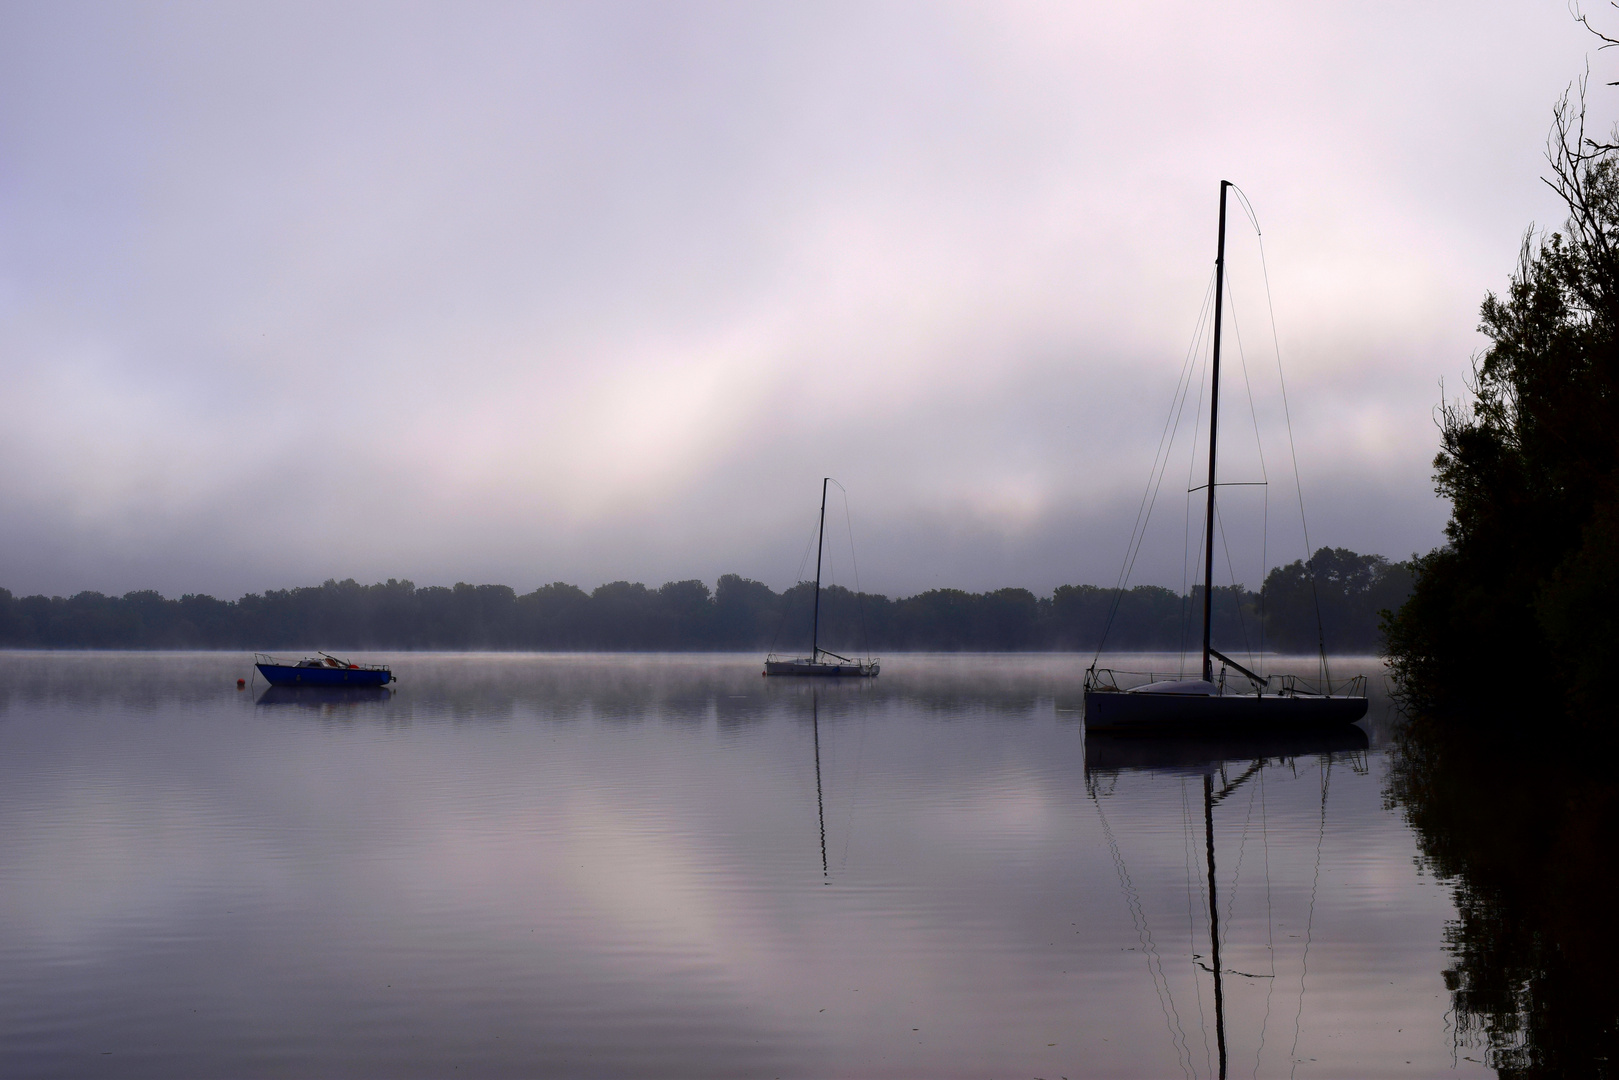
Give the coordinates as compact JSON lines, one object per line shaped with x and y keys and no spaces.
{"x":1354,"y":591}
{"x":1503,"y":655}
{"x":1530,"y":575}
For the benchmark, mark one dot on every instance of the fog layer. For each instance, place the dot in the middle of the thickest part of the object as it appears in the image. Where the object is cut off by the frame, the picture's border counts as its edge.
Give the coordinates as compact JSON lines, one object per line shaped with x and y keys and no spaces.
{"x":531,"y":293}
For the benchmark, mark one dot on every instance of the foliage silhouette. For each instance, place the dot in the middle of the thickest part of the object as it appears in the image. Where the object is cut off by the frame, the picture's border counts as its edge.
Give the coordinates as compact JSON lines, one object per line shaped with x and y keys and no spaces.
{"x":1503,"y":651}
{"x":1531,"y":467}
{"x":737,"y":614}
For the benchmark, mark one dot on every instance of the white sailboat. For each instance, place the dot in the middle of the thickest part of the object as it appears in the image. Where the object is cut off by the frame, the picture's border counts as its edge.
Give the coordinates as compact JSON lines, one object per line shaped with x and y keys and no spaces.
{"x":1236,"y":699}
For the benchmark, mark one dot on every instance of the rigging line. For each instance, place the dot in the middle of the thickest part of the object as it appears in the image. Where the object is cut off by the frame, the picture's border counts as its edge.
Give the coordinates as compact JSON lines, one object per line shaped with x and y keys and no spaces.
{"x":1144,"y":514}
{"x":1191,"y":471}
{"x":1186,"y":587}
{"x":1191,"y":932}
{"x":1165,"y":440}
{"x":1309,"y":921}
{"x":1248,"y":209}
{"x":1236,"y":877}
{"x":1176,"y":407}
{"x":1236,"y":593}
{"x":1270,"y":939}
{"x":1186,"y":600}
{"x":1292,"y":447}
{"x":1264,"y":560}
{"x":1197,"y":423}
{"x":803,"y":560}
{"x":798,"y":578}
{"x":859,"y":595}
{"x":1186,"y":596}
{"x":1259,"y":448}
{"x":1155,"y":963}
{"x":1242,"y":360}
{"x":830,"y":576}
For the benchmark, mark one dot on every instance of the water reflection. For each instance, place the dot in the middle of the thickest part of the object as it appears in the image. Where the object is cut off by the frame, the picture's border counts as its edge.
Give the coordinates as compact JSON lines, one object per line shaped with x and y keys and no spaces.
{"x":671,"y":866}
{"x":820,"y":801}
{"x":1108,"y":754}
{"x":323,"y":699}
{"x":1223,"y":766}
{"x":1525,"y":834}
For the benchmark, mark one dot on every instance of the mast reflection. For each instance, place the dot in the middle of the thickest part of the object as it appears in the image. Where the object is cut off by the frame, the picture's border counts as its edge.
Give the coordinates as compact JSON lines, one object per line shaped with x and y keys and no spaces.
{"x":1214,"y":760}
{"x":820,"y":804}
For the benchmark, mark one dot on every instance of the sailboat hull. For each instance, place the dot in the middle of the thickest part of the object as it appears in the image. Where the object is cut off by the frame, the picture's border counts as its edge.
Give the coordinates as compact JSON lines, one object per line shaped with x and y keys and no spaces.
{"x":806,"y":667}
{"x":1146,"y":713}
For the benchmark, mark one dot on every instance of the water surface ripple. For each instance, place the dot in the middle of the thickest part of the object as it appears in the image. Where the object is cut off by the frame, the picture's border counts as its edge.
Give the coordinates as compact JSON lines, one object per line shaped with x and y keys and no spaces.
{"x":562,"y":865}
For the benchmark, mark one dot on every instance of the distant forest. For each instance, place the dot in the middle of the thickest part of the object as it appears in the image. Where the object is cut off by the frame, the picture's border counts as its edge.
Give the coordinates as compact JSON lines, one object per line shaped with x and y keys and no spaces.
{"x":737,"y":614}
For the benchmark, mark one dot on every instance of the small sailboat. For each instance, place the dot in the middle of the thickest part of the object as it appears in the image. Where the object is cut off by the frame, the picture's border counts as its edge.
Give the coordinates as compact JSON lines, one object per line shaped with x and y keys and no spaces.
{"x":1211,"y":704}
{"x":820,"y":661}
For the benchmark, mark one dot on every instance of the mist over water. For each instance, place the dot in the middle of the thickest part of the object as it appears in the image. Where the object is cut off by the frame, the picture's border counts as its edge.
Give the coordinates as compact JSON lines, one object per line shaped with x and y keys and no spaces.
{"x":584,"y":865}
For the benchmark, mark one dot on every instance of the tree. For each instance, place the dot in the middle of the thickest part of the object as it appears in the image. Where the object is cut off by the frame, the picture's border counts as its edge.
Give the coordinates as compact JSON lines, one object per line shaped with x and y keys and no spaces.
{"x":1348,"y":590}
{"x":1529,"y":464}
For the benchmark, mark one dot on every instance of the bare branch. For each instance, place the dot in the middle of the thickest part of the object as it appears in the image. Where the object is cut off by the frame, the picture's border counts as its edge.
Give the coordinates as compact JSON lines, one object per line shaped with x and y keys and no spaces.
{"x":1585,"y":21}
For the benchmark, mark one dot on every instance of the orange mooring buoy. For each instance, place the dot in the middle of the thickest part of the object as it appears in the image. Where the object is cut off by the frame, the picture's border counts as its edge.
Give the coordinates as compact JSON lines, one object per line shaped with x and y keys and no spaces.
{"x":241,"y":684}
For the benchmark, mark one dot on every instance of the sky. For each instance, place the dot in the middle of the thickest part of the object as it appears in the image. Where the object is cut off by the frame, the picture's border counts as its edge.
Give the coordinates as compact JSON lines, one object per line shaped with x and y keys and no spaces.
{"x":521,"y":293}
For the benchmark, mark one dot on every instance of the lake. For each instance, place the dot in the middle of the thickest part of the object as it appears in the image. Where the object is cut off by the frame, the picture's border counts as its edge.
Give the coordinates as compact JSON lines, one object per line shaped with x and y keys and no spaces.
{"x":668,"y":866}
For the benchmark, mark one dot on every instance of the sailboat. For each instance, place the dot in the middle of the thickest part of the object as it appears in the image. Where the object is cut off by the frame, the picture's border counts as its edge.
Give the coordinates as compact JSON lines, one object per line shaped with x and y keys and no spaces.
{"x":1209,"y":704}
{"x":814,"y":664}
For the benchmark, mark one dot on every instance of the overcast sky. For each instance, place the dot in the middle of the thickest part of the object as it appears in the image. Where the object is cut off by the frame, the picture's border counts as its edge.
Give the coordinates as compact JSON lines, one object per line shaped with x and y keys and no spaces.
{"x":522,"y":293}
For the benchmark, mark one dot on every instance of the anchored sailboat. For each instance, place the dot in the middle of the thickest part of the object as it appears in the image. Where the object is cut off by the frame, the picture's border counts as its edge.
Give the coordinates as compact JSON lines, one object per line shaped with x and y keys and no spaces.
{"x":1208,"y":704}
{"x":813,"y":664}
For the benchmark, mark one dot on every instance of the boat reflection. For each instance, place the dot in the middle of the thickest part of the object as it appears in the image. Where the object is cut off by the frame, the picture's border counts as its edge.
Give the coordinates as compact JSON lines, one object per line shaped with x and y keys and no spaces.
{"x":1115,"y":753}
{"x":323,"y":698}
{"x":1225,"y":765}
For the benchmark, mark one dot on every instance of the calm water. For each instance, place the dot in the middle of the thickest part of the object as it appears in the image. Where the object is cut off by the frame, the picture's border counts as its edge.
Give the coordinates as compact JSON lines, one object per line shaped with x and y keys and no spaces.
{"x":624,"y":866}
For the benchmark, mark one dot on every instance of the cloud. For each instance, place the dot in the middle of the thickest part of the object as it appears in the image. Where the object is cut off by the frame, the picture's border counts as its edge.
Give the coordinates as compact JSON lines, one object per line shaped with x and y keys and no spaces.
{"x":513,"y":293}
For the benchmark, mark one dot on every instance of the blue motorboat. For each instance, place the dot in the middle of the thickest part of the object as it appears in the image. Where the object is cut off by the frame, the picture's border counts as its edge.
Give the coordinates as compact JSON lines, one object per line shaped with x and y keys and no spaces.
{"x":322,"y":669}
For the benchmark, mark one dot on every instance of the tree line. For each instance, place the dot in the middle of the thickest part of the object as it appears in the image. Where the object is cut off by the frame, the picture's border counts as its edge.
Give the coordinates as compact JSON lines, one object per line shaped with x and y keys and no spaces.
{"x":737,"y":614}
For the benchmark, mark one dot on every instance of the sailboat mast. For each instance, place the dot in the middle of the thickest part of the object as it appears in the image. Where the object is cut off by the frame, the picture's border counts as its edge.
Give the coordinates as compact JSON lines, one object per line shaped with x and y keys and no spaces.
{"x":1214,"y":420}
{"x":820,"y":539}
{"x":1214,"y":915}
